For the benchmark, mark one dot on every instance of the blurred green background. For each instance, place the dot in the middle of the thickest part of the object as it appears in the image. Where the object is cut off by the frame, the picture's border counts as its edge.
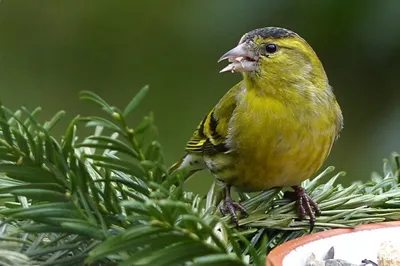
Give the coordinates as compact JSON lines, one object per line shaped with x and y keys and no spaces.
{"x":50,"y":50}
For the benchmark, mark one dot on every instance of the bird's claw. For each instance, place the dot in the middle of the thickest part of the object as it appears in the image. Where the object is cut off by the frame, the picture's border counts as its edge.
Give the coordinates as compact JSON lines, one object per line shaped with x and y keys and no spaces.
{"x":306,"y":206}
{"x":231,"y":207}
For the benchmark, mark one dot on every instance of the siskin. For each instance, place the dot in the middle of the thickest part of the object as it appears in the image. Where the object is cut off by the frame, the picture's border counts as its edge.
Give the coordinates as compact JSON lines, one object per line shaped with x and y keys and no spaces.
{"x":275,"y":128}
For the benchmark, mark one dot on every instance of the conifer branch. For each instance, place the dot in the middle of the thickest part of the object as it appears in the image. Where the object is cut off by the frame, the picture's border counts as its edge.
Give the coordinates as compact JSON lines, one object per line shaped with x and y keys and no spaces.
{"x":106,"y":199}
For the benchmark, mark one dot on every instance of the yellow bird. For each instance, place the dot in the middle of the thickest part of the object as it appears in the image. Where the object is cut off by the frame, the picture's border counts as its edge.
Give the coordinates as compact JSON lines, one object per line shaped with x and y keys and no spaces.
{"x":275,"y":128}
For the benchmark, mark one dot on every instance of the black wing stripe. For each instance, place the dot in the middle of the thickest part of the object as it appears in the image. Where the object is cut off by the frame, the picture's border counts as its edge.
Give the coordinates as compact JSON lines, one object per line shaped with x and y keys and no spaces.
{"x":201,"y":128}
{"x":213,"y":123}
{"x":209,"y":148}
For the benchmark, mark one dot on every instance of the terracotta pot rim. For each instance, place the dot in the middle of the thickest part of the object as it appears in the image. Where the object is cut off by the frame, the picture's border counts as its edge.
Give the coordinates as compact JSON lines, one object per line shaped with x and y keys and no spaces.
{"x":276,"y":256}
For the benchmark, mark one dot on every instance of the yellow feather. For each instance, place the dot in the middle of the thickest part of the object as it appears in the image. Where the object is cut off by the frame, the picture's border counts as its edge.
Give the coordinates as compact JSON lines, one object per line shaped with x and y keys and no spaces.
{"x":277,"y":126}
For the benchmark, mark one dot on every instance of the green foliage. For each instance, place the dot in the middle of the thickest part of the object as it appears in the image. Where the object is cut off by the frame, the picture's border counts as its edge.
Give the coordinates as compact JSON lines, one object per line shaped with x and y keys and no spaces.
{"x":106,"y":199}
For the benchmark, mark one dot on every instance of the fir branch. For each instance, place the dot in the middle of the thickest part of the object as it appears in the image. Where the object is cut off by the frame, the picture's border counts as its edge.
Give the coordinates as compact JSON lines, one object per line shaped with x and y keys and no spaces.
{"x":107,"y":199}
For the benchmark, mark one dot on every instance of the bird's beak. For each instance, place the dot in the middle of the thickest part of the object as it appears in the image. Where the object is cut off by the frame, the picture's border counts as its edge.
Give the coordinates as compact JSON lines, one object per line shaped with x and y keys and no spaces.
{"x":242,"y":59}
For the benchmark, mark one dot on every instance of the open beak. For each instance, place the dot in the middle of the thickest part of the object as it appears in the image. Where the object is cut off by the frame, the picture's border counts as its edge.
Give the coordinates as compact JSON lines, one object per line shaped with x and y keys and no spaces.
{"x":242,"y":59}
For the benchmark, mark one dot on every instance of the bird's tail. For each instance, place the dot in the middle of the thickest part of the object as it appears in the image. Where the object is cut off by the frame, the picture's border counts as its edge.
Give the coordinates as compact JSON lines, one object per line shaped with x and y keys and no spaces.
{"x":175,"y":166}
{"x":190,"y":163}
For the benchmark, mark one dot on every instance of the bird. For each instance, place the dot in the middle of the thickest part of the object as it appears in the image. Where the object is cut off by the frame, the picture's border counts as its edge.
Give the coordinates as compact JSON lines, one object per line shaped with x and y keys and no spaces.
{"x":273,"y":129}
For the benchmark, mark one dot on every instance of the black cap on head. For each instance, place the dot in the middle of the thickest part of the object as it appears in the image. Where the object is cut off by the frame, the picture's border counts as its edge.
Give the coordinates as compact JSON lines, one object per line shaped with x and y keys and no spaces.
{"x":269,"y":32}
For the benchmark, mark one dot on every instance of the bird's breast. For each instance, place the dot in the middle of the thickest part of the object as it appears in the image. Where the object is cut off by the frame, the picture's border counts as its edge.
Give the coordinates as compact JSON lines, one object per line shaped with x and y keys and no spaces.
{"x":278,"y":143}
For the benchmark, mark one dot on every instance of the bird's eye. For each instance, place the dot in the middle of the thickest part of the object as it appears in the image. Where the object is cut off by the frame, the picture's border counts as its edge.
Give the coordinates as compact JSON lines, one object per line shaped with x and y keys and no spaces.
{"x":271,"y":48}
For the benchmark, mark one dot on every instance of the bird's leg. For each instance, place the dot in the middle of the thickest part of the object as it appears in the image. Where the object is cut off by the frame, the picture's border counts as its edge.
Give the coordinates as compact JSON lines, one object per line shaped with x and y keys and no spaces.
{"x":305,"y":205}
{"x":231,"y":207}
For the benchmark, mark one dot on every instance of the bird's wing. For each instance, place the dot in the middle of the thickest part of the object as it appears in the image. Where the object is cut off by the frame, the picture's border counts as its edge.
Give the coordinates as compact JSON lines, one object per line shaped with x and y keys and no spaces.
{"x":211,"y":134}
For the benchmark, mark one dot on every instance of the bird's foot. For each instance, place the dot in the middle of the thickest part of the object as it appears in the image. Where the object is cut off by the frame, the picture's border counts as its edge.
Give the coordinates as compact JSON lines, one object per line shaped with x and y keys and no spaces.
{"x":306,"y":206}
{"x":231,"y":207}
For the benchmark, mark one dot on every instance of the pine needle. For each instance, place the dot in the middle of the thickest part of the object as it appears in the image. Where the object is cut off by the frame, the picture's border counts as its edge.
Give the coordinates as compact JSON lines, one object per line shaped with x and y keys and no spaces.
{"x":106,"y":199}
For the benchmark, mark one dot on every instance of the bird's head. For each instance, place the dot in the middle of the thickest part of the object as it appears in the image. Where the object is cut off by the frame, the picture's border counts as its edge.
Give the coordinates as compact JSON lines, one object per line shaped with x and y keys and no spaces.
{"x":274,"y":55}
